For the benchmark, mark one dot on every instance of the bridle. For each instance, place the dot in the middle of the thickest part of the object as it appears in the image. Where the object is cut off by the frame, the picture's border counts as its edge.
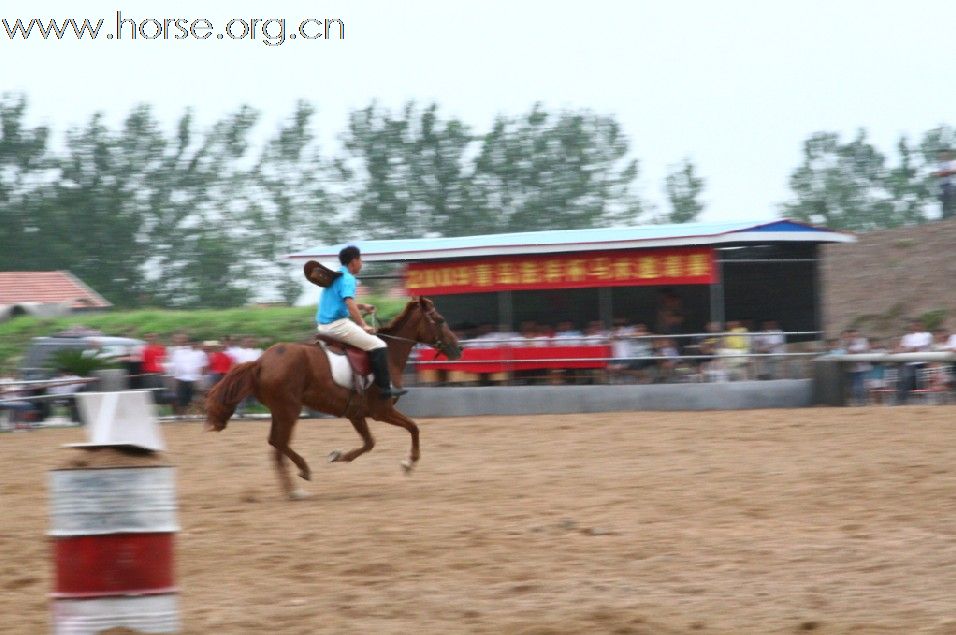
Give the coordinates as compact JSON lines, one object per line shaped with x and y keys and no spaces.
{"x":435,"y":320}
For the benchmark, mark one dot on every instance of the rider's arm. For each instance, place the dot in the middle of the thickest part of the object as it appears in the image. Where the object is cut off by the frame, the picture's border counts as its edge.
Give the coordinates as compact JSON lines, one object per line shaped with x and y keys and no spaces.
{"x":355,"y":313}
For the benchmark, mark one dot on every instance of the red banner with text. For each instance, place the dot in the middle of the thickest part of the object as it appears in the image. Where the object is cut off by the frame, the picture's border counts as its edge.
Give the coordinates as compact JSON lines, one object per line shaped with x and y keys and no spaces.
{"x":646,"y":267}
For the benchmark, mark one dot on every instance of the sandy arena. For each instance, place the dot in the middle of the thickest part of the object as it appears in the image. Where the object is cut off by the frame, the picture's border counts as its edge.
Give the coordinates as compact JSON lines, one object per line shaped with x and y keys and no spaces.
{"x":781,"y":521}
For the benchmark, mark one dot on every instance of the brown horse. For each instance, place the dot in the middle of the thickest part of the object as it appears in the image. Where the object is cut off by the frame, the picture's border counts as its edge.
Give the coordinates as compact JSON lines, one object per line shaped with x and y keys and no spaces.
{"x":290,"y":376}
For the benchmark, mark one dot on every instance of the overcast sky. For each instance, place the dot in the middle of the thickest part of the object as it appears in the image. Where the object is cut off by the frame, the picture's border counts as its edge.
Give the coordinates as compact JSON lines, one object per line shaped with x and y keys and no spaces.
{"x":734,"y":86}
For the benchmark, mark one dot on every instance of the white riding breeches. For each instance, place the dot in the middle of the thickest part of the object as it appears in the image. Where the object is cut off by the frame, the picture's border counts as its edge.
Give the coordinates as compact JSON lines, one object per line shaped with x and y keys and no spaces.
{"x":348,"y":332}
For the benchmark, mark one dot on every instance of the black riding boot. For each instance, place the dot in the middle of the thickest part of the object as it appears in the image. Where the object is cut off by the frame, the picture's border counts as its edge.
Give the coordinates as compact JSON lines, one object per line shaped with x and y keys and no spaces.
{"x":379,"y":359}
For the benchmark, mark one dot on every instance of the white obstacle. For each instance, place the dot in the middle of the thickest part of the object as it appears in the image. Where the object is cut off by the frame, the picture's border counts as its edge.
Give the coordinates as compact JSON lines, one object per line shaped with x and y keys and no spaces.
{"x":113,"y":527}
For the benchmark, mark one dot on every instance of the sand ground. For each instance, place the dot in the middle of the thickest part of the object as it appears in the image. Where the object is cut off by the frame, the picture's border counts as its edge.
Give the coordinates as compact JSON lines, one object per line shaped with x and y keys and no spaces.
{"x":824,"y":520}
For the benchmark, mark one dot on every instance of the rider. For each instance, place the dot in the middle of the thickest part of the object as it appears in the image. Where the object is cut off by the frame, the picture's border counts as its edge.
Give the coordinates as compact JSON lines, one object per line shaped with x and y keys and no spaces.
{"x":338,"y":304}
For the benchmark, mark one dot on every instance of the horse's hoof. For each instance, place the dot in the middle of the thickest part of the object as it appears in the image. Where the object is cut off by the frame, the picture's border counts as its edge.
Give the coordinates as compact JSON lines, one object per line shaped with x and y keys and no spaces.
{"x":306,"y":475}
{"x":335,"y":455}
{"x":407,"y":466}
{"x":298,"y":495}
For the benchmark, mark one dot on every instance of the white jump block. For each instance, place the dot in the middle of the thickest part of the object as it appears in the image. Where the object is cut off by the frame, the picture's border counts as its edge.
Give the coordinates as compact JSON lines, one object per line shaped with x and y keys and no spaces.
{"x":120,"y":418}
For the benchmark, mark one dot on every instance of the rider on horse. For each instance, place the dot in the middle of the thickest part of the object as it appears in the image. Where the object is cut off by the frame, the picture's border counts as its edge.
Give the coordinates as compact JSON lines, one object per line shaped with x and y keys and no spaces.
{"x":337,"y":305}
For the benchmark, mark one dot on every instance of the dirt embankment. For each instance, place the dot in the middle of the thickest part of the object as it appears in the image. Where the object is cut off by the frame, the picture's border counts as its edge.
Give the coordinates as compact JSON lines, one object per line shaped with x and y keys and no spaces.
{"x":889,"y":276}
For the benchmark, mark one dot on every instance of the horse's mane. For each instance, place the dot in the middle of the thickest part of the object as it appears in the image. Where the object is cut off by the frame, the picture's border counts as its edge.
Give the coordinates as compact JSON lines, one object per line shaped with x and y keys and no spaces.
{"x":399,"y":320}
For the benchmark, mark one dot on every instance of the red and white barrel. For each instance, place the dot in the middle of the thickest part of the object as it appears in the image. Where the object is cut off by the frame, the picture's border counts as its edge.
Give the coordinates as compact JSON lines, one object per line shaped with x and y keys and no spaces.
{"x":113,"y":531}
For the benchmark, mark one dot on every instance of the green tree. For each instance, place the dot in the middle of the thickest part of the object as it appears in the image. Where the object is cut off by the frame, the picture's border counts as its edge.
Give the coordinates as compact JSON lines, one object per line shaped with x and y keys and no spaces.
{"x":93,"y":220}
{"x":564,"y":171}
{"x":684,"y":187}
{"x":848,"y":186}
{"x":406,"y":173}
{"x":293,"y":208}
{"x":199,"y":230}
{"x":23,"y":164}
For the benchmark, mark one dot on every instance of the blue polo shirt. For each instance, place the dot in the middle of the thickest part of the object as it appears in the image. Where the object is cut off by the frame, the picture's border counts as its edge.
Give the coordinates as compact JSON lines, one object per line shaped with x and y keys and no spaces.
{"x":332,"y":302}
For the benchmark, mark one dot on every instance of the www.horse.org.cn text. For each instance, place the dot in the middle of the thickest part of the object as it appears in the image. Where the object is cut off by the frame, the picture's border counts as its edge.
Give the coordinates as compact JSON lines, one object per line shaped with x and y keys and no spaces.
{"x":269,"y":31}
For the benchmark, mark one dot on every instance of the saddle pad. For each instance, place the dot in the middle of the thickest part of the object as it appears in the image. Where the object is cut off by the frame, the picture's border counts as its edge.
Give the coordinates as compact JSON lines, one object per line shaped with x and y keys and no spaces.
{"x":341,"y":371}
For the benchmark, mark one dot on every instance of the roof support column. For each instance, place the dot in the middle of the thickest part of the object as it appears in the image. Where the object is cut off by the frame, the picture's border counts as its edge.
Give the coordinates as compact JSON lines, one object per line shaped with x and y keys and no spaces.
{"x":605,"y":307}
{"x":717,"y":313}
{"x":505,"y":312}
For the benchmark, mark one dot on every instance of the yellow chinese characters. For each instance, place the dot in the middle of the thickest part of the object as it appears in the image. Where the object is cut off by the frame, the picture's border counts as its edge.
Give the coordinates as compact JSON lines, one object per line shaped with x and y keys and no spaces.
{"x":673,"y":266}
{"x":530,"y":272}
{"x":698,"y":265}
{"x":484,"y":275}
{"x":647,"y":267}
{"x":553,"y":270}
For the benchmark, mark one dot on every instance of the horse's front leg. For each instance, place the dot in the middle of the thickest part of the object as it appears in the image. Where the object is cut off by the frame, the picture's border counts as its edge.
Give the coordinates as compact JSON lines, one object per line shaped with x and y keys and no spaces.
{"x":279,"y":437}
{"x":396,"y":418}
{"x":361,"y":426}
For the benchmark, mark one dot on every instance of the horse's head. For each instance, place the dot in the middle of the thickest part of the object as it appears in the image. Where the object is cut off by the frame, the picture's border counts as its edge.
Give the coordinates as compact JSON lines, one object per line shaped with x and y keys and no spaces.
{"x":432,"y":329}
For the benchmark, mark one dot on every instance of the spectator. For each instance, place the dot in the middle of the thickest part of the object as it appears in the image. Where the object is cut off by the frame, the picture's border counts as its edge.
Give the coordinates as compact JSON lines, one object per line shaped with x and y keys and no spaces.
{"x":670,"y":312}
{"x":622,"y":338}
{"x":769,"y":341}
{"x":595,"y":334}
{"x":916,"y":339}
{"x":709,"y":346}
{"x":533,"y":335}
{"x":219,"y":361}
{"x":566,"y":334}
{"x":951,"y":348}
{"x":65,"y":392}
{"x":947,"y":188}
{"x":153,"y":356}
{"x":835,"y":346}
{"x":666,"y":349}
{"x":14,"y":400}
{"x":736,"y":346}
{"x":876,"y":382}
{"x":484,"y":335}
{"x":937,"y":373}
{"x":233,"y":349}
{"x":854,"y":343}
{"x":186,"y":365}
{"x":248,"y":352}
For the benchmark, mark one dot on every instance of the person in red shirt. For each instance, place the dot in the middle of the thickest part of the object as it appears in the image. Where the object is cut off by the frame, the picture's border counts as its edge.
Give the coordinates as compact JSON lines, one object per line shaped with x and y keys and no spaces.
{"x":154,"y":354}
{"x":219,"y":361}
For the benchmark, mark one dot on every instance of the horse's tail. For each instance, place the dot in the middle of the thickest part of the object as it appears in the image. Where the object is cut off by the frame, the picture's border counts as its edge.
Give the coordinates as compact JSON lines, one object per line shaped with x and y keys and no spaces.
{"x":222,"y":400}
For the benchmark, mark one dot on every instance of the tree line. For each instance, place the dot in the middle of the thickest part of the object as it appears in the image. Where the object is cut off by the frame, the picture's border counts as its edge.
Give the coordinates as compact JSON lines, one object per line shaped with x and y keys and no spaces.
{"x":192,"y":217}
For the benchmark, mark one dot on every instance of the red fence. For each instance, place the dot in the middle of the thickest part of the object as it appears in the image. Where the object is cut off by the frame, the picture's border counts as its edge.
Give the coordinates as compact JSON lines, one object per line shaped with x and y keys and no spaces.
{"x":510,"y":358}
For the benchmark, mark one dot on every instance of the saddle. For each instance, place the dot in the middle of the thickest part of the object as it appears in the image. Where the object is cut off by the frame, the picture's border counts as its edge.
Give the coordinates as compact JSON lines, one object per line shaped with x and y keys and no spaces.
{"x":358,"y":359}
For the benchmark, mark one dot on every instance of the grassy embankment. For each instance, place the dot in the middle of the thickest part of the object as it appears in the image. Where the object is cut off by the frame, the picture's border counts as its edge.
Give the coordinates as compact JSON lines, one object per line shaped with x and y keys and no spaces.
{"x":270,"y":324}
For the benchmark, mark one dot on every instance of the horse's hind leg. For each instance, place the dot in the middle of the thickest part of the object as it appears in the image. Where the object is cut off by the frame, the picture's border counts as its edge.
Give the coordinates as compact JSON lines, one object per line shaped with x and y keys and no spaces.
{"x":283,"y":420}
{"x":361,"y":426}
{"x":396,"y":418}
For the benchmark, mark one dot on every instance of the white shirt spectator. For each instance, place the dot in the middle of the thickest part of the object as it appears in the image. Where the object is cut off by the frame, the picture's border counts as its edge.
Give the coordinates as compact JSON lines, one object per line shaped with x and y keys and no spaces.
{"x":770,"y":342}
{"x":186,"y":363}
{"x":916,"y":341}
{"x":567,"y":338}
{"x":240,"y":355}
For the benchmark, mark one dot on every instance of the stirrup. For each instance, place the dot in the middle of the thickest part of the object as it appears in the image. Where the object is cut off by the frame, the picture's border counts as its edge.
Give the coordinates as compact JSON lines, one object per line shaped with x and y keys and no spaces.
{"x":393,"y":391}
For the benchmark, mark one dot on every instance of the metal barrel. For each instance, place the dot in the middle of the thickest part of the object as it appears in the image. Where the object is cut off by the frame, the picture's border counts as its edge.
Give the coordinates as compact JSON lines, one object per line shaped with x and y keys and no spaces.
{"x":113,"y":531}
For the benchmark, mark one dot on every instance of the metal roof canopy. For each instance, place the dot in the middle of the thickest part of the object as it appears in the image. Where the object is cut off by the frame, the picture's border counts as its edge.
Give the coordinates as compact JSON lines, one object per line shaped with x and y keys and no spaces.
{"x":566,"y":240}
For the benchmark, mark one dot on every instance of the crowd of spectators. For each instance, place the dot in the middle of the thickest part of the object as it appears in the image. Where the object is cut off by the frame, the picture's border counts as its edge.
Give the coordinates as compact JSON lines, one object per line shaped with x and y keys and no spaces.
{"x":187,"y":368}
{"x":897,"y":382}
{"x":179,"y":371}
{"x":723,"y":352}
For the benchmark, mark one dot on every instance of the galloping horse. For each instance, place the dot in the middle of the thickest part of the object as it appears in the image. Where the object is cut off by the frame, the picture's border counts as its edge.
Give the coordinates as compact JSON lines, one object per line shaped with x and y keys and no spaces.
{"x":289,"y":376}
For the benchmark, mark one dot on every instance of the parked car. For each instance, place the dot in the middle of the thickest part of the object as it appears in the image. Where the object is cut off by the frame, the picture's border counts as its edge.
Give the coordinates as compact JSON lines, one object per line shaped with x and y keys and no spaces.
{"x":36,"y":361}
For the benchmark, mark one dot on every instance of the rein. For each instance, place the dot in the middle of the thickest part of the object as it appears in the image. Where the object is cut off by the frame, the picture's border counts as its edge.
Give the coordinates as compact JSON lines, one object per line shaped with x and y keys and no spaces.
{"x":438,"y":345}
